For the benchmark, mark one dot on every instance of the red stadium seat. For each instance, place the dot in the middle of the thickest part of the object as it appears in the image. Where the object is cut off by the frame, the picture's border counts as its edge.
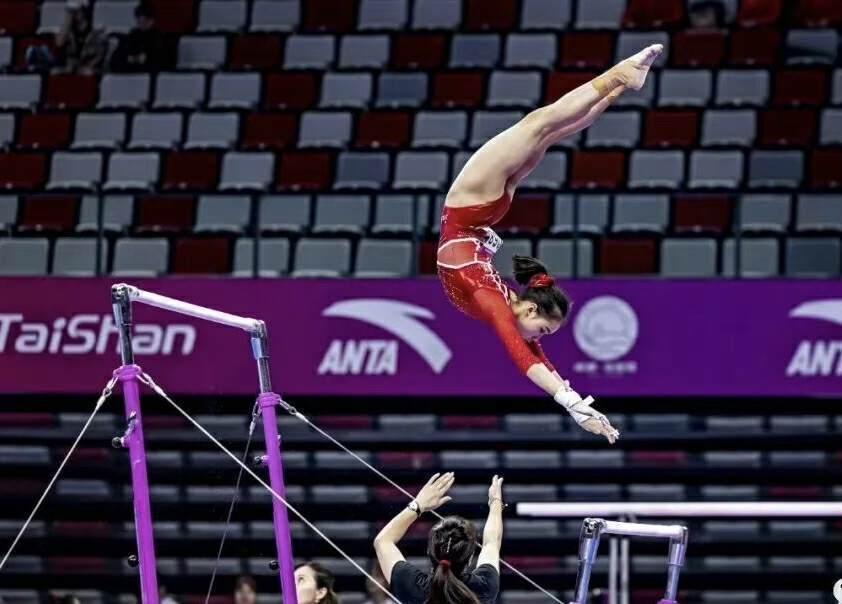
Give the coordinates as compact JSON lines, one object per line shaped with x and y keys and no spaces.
{"x":788,"y":127}
{"x":587,"y":49}
{"x":419,"y":51}
{"x":470,"y":422}
{"x":305,"y":171}
{"x":383,"y":129}
{"x":255,"y":52}
{"x":175,"y":16}
{"x":44,"y":131}
{"x":202,"y":255}
{"x":270,"y":131}
{"x":794,"y":493}
{"x":628,"y":256}
{"x":560,"y":83}
{"x":500,"y":15}
{"x":346,"y":422}
{"x":755,"y":13}
{"x":80,"y":528}
{"x":755,"y":46}
{"x":28,"y":420}
{"x":800,"y":87}
{"x":329,"y":15}
{"x":705,"y":213}
{"x":191,"y":170}
{"x":166,"y":214}
{"x":819,"y":13}
{"x":598,"y":169}
{"x":24,"y":171}
{"x":18,"y":17}
{"x":421,"y":460}
{"x":57,"y":213}
{"x":826,"y":169}
{"x":528,"y":214}
{"x":71,"y":91}
{"x":458,"y":89}
{"x":698,"y":48}
{"x":659,"y":459}
{"x":648,"y":14}
{"x":296,"y":90}
{"x":74,"y":565}
{"x":671,"y":128}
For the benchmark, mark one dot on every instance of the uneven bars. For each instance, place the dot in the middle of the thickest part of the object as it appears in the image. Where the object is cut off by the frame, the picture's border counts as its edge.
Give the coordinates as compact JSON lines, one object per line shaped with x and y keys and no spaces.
{"x":708,"y":509}
{"x":633,"y":529}
{"x":194,"y":310}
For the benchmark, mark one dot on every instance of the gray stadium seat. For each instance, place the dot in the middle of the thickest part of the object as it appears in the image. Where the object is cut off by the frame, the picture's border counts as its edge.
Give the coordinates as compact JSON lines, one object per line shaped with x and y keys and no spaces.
{"x":82,"y":490}
{"x":645,"y":97}
{"x":284,"y":213}
{"x":536,"y":14}
{"x":124,"y":91}
{"x":362,"y":170}
{"x":685,"y":87}
{"x":339,"y":460}
{"x":275,"y":15}
{"x":836,"y":94}
{"x":322,"y":258}
{"x":615,"y":129}
{"x":533,"y":460}
{"x":819,"y":213}
{"x":605,"y":14}
{"x":156,"y":131}
{"x":798,"y":459}
{"x":201,"y":52}
{"x":342,"y":214}
{"x":475,"y":50}
{"x":551,"y":173}
{"x":234,"y":91}
{"x":24,"y":256}
{"x":729,"y":127}
{"x":401,"y":89}
{"x":532,"y":492}
{"x":383,"y":14}
{"x":813,"y":257}
{"x":223,"y":213}
{"x":557,"y":255}
{"x":469,"y":459}
{"x":99,"y":131}
{"x":274,"y":258}
{"x":76,"y":256}
{"x":716,"y":169}
{"x":132,"y":171}
{"x":408,"y":424}
{"x":742,"y":87}
{"x":531,"y":422}
{"x":744,"y":424}
{"x":246,"y":171}
{"x":221,"y":15}
{"x":114,"y":17}
{"x":732,"y":596}
{"x":352,"y":90}
{"x":140,"y":257}
{"x":460,"y":158}
{"x":636,"y":213}
{"x":511,"y":247}
{"x":5,"y":52}
{"x":394,"y":213}
{"x":531,"y":50}
{"x":7,"y":129}
{"x":733,"y":459}
{"x":592,"y":492}
{"x":117,"y":213}
{"x":632,"y":42}
{"x":52,"y":17}
{"x":383,"y":258}
{"x":776,"y":169}
{"x":811,"y":46}
{"x":212,"y":130}
{"x":688,"y":257}
{"x":8,"y":211}
{"x":309,"y":52}
{"x":364,"y":52}
{"x":488,"y":124}
{"x":593,"y":213}
{"x":179,"y":90}
{"x":656,"y":169}
{"x":325,"y":129}
{"x":761,"y":212}
{"x":437,"y":14}
{"x":19,"y":91}
{"x":795,"y":597}
{"x":514,"y":89}
{"x":758,"y":258}
{"x":75,"y":171}
{"x":421,"y":170}
{"x":440,"y":129}
{"x":656,"y":492}
{"x":831,"y":127}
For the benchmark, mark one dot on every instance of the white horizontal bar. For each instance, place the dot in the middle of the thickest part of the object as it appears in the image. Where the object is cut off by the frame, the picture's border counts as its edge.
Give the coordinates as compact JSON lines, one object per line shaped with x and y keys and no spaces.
{"x":660,"y":531}
{"x":706,"y":509}
{"x":193,"y":310}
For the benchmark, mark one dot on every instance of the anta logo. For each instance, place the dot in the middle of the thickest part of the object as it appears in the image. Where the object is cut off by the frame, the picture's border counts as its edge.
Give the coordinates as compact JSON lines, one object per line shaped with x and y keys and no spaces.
{"x":380,"y":356}
{"x":86,"y":334}
{"x":814,"y":358}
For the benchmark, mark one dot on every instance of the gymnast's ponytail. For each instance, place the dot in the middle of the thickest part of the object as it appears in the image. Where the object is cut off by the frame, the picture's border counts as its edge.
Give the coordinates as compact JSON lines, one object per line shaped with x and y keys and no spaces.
{"x":540,"y":288}
{"x":451,"y":546}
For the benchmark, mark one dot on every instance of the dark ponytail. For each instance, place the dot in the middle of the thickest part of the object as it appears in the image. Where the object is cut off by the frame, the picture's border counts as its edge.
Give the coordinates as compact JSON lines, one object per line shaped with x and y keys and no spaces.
{"x":450,"y":548}
{"x":324,"y":580}
{"x":540,"y":288}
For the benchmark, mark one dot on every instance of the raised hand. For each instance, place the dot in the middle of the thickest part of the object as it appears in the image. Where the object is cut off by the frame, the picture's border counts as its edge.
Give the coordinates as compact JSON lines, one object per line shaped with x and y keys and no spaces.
{"x":434,"y":494}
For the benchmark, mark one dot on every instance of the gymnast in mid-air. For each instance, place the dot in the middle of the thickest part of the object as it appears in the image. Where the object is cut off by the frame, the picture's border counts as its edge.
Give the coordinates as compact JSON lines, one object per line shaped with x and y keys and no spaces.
{"x":481,"y":195}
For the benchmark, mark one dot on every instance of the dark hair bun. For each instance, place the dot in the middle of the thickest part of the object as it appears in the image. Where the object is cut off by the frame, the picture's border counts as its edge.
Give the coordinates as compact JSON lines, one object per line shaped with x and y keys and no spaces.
{"x":525,"y":268}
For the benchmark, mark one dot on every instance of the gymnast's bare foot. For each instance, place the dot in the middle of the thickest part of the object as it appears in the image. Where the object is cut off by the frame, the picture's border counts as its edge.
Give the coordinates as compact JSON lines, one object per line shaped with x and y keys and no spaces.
{"x":636,"y":67}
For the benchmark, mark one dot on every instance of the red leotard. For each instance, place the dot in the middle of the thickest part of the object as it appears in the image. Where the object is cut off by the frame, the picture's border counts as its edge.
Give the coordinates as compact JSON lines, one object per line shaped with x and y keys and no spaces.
{"x":472,"y":283}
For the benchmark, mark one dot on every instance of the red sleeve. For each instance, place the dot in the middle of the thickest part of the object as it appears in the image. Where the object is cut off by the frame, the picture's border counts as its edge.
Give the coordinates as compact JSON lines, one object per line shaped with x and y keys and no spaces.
{"x":539,"y":352}
{"x":492,"y":308}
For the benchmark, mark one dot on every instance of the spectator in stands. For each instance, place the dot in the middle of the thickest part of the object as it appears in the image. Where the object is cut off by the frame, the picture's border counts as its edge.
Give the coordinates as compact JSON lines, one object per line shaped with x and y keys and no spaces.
{"x":314,"y":584}
{"x":245,"y":590}
{"x":145,"y":48}
{"x":375,"y":594}
{"x":450,"y":548}
{"x":709,"y":14}
{"x":165,"y":596}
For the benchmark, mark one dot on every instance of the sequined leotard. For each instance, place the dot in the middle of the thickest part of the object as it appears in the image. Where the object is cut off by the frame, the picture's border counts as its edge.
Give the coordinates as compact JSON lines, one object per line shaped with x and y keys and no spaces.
{"x":466,"y":248}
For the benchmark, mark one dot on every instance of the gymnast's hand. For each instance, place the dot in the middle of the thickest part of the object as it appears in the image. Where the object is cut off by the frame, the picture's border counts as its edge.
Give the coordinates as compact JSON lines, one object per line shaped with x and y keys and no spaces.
{"x":434,"y":494}
{"x":592,"y":420}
